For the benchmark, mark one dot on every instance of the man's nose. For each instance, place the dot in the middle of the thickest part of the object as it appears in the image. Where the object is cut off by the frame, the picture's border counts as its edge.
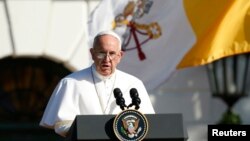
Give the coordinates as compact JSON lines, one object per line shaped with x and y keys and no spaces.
{"x":107,"y":57}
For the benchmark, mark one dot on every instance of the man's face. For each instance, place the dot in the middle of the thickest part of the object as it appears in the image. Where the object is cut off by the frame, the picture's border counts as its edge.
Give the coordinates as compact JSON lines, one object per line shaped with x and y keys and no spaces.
{"x":106,"y":54}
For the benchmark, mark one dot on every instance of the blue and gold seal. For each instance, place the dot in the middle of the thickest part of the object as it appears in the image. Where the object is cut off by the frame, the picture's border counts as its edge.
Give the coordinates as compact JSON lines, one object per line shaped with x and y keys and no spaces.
{"x":130,"y":125}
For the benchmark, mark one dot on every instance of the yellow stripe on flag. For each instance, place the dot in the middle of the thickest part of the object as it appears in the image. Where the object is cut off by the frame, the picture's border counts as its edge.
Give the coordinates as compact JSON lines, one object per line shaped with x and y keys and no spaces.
{"x":221,"y":28}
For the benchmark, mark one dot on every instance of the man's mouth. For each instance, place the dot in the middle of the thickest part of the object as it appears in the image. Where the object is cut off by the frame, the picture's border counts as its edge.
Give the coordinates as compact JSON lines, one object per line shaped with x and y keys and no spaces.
{"x":105,"y":66}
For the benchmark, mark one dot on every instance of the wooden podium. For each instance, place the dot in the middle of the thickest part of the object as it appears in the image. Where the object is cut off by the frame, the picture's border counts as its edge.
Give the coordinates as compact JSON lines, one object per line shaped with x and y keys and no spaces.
{"x":167,"y":127}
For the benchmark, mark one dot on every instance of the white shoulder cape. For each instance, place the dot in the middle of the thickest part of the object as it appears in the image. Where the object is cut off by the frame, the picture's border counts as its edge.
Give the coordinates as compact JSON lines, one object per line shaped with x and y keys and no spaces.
{"x":76,"y":95}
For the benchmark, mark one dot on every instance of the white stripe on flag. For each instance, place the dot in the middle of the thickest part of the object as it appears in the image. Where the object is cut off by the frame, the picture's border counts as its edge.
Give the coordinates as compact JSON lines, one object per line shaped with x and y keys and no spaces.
{"x":163,"y":53}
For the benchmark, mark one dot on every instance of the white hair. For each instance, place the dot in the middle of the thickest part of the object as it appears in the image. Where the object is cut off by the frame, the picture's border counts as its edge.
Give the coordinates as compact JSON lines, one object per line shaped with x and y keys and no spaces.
{"x":109,"y":32}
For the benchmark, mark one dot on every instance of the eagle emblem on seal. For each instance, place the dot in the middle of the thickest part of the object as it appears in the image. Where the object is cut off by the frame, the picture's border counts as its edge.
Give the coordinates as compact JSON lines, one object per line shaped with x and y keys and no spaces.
{"x":131,"y":127}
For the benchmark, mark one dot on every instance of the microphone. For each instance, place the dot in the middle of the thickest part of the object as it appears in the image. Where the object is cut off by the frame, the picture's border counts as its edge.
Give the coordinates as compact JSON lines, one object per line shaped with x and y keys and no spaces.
{"x":119,"y":99}
{"x":135,"y":98}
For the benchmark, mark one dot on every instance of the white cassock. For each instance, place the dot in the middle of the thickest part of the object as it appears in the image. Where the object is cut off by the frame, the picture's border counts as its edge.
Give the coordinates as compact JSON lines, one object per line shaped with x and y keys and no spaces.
{"x":88,"y":93}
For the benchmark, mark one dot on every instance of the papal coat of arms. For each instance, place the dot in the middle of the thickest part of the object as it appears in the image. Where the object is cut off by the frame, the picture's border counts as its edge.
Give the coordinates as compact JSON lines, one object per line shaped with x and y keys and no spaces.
{"x":133,"y":11}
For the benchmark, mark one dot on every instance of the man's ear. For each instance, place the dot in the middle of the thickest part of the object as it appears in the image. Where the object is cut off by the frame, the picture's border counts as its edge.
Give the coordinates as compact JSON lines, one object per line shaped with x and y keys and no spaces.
{"x":91,"y":50}
{"x":120,"y":56}
{"x":121,"y":53}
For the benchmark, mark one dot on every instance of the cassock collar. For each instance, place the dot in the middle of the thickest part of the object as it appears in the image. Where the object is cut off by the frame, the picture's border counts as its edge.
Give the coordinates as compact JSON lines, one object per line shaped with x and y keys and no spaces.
{"x":101,"y":77}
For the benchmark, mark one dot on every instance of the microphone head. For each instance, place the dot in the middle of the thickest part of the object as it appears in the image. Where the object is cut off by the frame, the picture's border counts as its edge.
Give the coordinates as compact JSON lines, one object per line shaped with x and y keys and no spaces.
{"x":119,"y":99}
{"x":133,"y":93}
{"x":117,"y":93}
{"x":135,"y":98}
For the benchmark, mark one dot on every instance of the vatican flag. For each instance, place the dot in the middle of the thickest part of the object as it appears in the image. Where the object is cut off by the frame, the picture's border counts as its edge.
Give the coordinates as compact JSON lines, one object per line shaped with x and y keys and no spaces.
{"x":160,"y":36}
{"x":222,"y":28}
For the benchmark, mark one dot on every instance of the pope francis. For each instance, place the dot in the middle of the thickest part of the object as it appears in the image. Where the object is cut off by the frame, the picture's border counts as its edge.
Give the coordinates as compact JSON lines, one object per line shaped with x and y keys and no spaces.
{"x":90,"y":91}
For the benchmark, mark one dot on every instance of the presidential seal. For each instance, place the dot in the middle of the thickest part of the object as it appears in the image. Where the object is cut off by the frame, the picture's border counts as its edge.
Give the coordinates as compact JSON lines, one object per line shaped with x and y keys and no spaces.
{"x":130,"y":125}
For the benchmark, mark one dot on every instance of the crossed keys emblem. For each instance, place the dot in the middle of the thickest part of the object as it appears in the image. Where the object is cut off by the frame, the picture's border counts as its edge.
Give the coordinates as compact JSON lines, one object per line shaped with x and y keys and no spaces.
{"x":132,"y":11}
